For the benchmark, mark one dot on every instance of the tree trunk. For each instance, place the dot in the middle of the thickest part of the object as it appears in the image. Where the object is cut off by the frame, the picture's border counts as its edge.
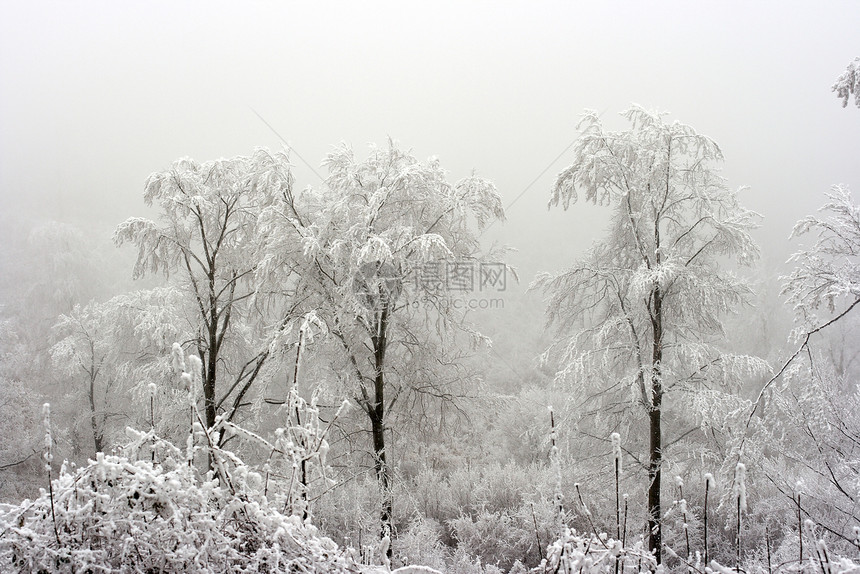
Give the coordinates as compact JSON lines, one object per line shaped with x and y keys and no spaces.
{"x":211,"y":357}
{"x":655,"y":535}
{"x":210,"y":366}
{"x":209,"y":378}
{"x":98,"y":432}
{"x":382,"y":471}
{"x":377,"y":421}
{"x":655,"y":446}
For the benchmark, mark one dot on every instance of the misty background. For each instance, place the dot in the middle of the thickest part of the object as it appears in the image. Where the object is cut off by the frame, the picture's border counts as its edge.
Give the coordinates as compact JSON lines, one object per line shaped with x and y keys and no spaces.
{"x":97,"y":95}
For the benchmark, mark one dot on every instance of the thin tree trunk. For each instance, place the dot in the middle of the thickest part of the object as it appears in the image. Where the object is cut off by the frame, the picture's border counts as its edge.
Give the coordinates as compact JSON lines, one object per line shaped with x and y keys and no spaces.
{"x":211,"y":357}
{"x":654,"y":478}
{"x":303,"y":473}
{"x":377,"y":420}
{"x":211,"y":364}
{"x":209,"y":381}
{"x":655,"y":447}
{"x":98,"y":436}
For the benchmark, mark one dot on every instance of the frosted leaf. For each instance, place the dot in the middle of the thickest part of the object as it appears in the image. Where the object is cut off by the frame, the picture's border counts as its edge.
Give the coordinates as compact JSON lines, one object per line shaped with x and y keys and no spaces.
{"x":848,"y":83}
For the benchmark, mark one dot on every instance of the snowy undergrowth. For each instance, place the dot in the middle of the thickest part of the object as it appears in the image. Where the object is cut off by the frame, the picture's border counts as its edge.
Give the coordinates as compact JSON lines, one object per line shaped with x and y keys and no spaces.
{"x":149,"y":509}
{"x":120,"y":514}
{"x":575,"y":553}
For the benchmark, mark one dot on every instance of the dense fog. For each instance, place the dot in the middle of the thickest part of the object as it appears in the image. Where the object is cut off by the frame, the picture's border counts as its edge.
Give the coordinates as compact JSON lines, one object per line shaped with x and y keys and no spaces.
{"x":464,"y":287}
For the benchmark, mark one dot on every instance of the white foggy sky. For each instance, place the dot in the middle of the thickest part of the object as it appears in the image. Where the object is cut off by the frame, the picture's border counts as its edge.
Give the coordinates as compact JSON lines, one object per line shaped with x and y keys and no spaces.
{"x":94,"y":96}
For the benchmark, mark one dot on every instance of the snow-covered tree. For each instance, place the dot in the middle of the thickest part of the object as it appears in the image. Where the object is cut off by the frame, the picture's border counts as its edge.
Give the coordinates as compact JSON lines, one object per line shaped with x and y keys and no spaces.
{"x":107,"y":350}
{"x":810,"y":422}
{"x":813,"y":423}
{"x":827,"y":274}
{"x":848,"y":83}
{"x":207,"y":235}
{"x":376,"y":239}
{"x":48,"y":268}
{"x":19,"y":450}
{"x":812,"y":431}
{"x":65,"y":271}
{"x":642,"y":310}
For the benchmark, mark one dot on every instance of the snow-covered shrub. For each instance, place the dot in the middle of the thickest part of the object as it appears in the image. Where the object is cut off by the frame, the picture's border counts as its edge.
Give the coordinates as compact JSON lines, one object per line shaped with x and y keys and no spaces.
{"x":422,"y":544}
{"x":297,"y":459}
{"x":144,"y":516}
{"x":465,"y":563}
{"x":434,"y":497}
{"x":496,"y":538}
{"x":576,"y":553}
{"x":19,"y":456}
{"x":149,"y":509}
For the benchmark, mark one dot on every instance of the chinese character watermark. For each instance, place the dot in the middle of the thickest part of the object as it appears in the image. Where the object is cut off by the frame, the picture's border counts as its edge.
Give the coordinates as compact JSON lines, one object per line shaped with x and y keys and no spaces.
{"x":430,"y":276}
{"x":461,"y":275}
{"x":493,"y":277}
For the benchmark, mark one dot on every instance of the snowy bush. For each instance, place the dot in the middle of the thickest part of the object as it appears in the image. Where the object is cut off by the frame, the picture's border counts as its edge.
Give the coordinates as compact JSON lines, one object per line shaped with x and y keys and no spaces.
{"x":576,"y":553}
{"x":145,"y":516}
{"x":422,"y":544}
{"x":19,"y":459}
{"x":150,"y":509}
{"x":496,"y":537}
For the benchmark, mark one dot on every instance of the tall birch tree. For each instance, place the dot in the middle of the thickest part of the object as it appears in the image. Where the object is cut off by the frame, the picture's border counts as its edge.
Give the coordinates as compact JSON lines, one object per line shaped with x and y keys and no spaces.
{"x":379,"y":240}
{"x":107,"y":350}
{"x":206,"y":234}
{"x":641,"y":311}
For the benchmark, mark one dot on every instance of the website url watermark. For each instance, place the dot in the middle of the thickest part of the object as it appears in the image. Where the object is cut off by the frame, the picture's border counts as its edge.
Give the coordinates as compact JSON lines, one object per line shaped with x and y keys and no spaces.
{"x":459,"y":303}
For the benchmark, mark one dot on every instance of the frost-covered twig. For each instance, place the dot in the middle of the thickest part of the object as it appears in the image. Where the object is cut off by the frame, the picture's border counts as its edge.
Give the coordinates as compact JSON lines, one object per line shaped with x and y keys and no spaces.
{"x":682,"y":502}
{"x":848,"y":83}
{"x":709,"y":483}
{"x":616,"y":455}
{"x":739,"y":452}
{"x":587,"y":513}
{"x":49,"y":459}
{"x":740,"y":491}
{"x":556,"y":465}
